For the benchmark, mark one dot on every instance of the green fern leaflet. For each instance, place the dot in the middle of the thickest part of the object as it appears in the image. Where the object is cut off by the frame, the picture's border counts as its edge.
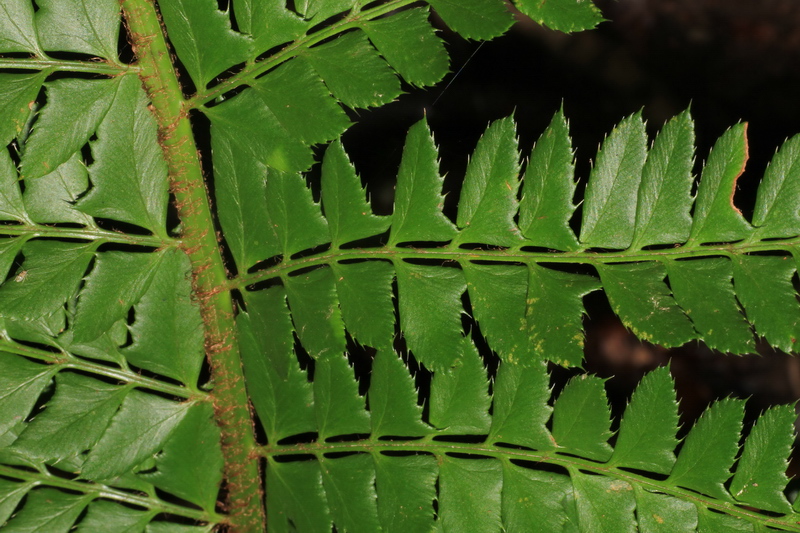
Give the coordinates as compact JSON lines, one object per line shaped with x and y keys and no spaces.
{"x":324,"y":376}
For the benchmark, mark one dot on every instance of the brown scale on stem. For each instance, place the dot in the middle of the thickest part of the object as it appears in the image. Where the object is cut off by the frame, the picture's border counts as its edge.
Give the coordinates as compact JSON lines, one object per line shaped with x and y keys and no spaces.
{"x":243,"y":479}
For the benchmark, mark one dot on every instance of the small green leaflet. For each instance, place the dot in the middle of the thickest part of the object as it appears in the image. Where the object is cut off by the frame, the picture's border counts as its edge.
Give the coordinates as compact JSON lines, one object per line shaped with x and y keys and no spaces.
{"x":348,"y":214}
{"x":117,"y":282}
{"x":17,"y":94}
{"x":284,"y":404}
{"x":316,"y":314}
{"x":520,"y":408}
{"x":192,"y":25}
{"x":129,"y":172}
{"x":488,"y":199}
{"x":111,"y":517}
{"x":760,"y":477}
{"x":775,"y":214}
{"x":168,"y":331}
{"x":646,"y":437}
{"x":475,"y":19}
{"x":268,"y":23}
{"x":431,"y":330}
{"x":17,"y":31}
{"x":50,"y":510}
{"x":21,"y":383}
{"x":354,"y":71}
{"x":420,"y":65}
{"x":83,"y":26}
{"x":609,"y":208}
{"x":664,"y":199}
{"x":562,"y":15}
{"x":53,"y":272}
{"x":393,"y":398}
{"x":469,"y":494}
{"x":350,"y":488}
{"x":418,"y":199}
{"x":581,"y":419}
{"x":709,"y":450}
{"x":547,"y":189}
{"x":340,"y":410}
{"x":190,"y":465}
{"x":703,"y":289}
{"x":51,"y":199}
{"x":459,"y":401}
{"x":604,"y":505}
{"x":74,"y":110}
{"x":74,"y":420}
{"x":406,"y":488}
{"x":297,"y":499}
{"x":301,"y":104}
{"x":11,"y":205}
{"x":365,"y":298}
{"x":656,"y":318}
{"x":138,"y":430}
{"x":716,"y":219}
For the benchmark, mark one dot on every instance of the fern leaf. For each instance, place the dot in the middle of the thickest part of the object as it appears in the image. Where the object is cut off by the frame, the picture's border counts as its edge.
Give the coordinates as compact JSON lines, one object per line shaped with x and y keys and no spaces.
{"x":52,"y":198}
{"x":349,"y":216}
{"x":423,"y":64}
{"x":316,"y":315}
{"x":354,"y":72}
{"x":340,"y":410}
{"x":704,"y":291}
{"x":547,"y":189}
{"x":129,"y":164}
{"x":267,"y":23}
{"x":192,"y":25}
{"x":350,"y":489}
{"x":283,"y":400}
{"x":646,"y":438}
{"x":74,"y":110}
{"x":79,"y":26}
{"x":662,"y":206}
{"x":17,"y":91}
{"x":475,"y":19}
{"x":432,"y":334}
{"x":11,"y":204}
{"x":760,"y":474}
{"x":53,"y":274}
{"x":393,"y":398}
{"x":489,"y":194}
{"x":367,"y":311}
{"x":520,"y":408}
{"x":459,"y":402}
{"x":562,"y":15}
{"x":298,"y":499}
{"x":764,"y":286}
{"x":474,"y":484}
{"x":709,"y":450}
{"x":581,"y":419}
{"x":609,"y":210}
{"x":74,"y":420}
{"x":405,"y":488}
{"x":17,"y":30}
{"x":418,"y":201}
{"x":656,"y":318}
{"x":774,"y":215}
{"x":716,"y":219}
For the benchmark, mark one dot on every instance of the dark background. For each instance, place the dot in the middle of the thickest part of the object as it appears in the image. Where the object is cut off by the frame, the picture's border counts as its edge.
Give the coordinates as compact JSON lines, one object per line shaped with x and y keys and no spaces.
{"x":730,"y":60}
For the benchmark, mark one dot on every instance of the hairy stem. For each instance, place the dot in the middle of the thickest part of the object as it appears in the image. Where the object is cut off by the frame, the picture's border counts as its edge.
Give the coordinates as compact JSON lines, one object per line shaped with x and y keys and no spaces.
{"x":243,"y":480}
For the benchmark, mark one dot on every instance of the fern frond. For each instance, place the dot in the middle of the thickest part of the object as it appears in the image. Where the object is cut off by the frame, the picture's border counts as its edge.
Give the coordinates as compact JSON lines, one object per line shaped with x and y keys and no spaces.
{"x":524,"y":465}
{"x":671,"y":277}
